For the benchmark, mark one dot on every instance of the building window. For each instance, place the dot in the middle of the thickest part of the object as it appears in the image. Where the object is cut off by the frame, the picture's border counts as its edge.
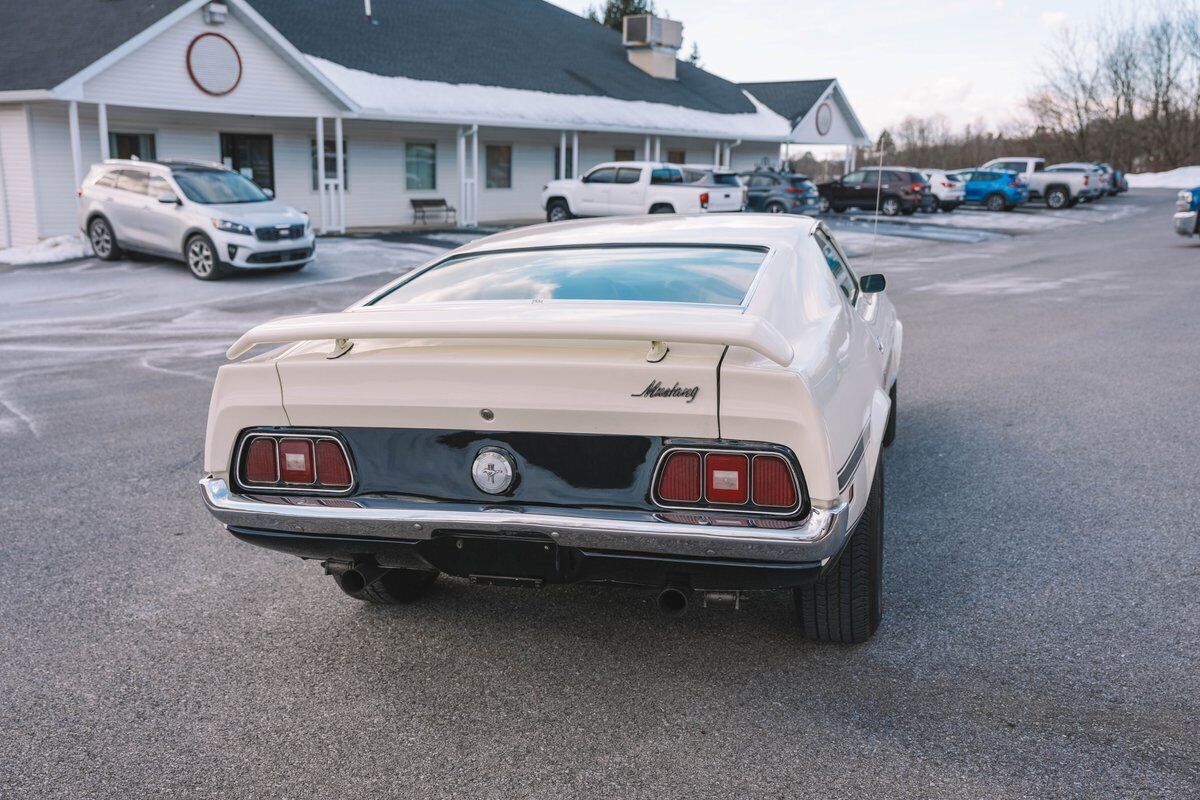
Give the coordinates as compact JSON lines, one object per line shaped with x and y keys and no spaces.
{"x":251,"y":154}
{"x":330,"y":162}
{"x":623,"y":154}
{"x":499,"y":166}
{"x":677,"y":156}
{"x":420,"y":166}
{"x":131,"y":145}
{"x":570,"y":163}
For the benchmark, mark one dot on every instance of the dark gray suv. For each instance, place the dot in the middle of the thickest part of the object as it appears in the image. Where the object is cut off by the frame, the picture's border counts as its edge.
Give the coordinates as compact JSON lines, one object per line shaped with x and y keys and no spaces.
{"x":780,"y":192}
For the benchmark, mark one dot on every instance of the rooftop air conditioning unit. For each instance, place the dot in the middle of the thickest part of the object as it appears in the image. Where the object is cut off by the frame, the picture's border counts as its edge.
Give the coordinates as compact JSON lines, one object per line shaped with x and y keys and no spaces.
{"x":651,"y":43}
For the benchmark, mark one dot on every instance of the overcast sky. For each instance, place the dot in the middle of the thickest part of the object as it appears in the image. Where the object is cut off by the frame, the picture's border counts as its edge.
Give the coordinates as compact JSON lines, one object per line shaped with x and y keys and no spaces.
{"x":966,"y":59}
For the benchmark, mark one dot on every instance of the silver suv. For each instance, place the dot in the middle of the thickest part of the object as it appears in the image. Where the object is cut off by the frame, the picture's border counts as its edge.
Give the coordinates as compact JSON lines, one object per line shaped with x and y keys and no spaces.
{"x":211,"y":218}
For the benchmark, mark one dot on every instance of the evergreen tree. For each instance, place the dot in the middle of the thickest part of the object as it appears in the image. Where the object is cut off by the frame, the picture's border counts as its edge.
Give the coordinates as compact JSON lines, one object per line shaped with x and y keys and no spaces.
{"x":613,"y":12}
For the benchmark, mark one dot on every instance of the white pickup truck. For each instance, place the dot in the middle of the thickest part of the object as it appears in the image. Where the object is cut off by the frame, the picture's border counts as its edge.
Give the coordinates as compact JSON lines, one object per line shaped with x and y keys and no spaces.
{"x":622,"y":188}
{"x":1059,"y":189}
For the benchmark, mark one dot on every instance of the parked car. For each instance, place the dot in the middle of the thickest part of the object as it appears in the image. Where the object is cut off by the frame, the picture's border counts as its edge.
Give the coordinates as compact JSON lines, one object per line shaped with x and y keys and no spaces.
{"x":1187,"y":209}
{"x":696,"y":404}
{"x":728,"y":193}
{"x":946,"y":192}
{"x":890,"y":190}
{"x":780,"y":192}
{"x":623,"y":188}
{"x":1112,"y":178}
{"x":1056,"y":189}
{"x":213,"y":219}
{"x":1094,"y":183}
{"x":995,"y":190}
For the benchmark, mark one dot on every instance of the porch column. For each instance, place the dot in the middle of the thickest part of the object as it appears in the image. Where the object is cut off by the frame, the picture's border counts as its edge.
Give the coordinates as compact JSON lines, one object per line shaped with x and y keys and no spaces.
{"x":850,"y":157}
{"x":474,"y":176}
{"x":575,"y":154}
{"x":562,"y":154}
{"x":320,"y":226}
{"x":658,"y":148}
{"x":646,"y":149}
{"x":76,"y":154}
{"x":340,"y":161}
{"x":717,"y":154}
{"x":463,"y":199}
{"x":102,"y":118}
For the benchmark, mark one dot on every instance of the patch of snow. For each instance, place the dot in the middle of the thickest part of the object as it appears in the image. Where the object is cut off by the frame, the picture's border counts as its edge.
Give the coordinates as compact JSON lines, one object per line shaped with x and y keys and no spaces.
{"x":1180,"y":178}
{"x":463,"y":103}
{"x":47,"y":251}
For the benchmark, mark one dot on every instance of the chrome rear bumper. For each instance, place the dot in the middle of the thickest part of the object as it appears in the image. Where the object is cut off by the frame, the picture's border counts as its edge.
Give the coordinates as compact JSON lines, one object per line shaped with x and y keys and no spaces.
{"x":817,"y":538}
{"x":1185,"y":223}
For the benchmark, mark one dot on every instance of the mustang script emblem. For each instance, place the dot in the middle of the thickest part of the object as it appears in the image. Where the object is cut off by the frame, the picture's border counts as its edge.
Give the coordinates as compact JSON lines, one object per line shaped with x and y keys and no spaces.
{"x":656,"y":389}
{"x":493,"y":471}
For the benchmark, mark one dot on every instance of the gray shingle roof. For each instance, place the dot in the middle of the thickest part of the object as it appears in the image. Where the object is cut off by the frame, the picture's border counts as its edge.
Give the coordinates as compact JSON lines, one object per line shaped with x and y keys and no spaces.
{"x":789,"y":99}
{"x":42,"y":43}
{"x":520,"y":44}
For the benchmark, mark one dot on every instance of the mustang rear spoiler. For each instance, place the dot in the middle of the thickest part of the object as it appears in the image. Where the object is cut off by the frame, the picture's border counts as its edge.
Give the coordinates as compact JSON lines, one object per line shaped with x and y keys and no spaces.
{"x":529,"y":321}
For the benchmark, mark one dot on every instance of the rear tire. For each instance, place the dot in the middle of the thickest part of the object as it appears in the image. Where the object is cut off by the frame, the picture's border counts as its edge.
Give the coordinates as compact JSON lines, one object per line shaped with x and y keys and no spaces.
{"x":948,"y":207}
{"x":776,"y":208}
{"x":845,"y":604}
{"x":908,"y":212}
{"x":103,"y":240}
{"x":201,"y":257}
{"x":662,"y":208}
{"x":1057,"y":198}
{"x":824,"y":207}
{"x":392,"y":587}
{"x":995,"y":202}
{"x":890,"y":206}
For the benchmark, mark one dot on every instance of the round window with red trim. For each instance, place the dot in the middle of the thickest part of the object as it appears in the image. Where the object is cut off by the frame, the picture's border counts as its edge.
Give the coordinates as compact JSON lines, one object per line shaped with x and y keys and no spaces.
{"x":214,"y":64}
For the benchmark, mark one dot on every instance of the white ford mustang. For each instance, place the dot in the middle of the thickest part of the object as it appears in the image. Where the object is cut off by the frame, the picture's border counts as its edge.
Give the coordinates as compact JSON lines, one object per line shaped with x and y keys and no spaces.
{"x":697,"y":404}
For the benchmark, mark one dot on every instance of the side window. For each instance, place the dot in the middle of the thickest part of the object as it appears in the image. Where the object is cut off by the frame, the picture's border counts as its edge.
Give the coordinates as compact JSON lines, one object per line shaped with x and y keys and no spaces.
{"x":855,"y":177}
{"x":158,"y":186}
{"x":759,"y":182}
{"x":605,"y":175}
{"x":133,"y":180}
{"x":842,"y":275}
{"x":108,"y":179}
{"x":666,"y":176}
{"x":628,"y":175}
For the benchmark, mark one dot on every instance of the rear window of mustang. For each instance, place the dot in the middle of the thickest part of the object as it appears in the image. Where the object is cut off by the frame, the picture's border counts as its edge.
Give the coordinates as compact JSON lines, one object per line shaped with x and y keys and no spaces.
{"x":708,"y":275}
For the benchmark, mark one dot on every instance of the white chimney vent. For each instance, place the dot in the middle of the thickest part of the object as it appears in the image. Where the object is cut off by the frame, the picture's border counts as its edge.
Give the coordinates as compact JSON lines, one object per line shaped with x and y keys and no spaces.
{"x":651,"y":43}
{"x":215,"y":13}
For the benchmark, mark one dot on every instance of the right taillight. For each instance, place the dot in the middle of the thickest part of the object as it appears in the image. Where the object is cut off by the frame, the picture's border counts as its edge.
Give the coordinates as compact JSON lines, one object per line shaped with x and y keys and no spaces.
{"x":723,"y":479}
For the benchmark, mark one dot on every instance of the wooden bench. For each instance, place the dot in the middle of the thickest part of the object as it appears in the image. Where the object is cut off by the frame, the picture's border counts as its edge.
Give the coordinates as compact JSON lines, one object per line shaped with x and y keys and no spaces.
{"x":422,"y":207}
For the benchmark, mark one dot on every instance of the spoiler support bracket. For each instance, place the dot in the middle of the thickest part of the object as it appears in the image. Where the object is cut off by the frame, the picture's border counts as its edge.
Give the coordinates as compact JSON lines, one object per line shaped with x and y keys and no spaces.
{"x":340,"y":348}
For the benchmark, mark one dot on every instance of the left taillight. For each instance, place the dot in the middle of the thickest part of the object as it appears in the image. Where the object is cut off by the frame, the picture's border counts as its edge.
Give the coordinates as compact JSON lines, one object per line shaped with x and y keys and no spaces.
{"x":704,"y":199}
{"x":294,"y":462}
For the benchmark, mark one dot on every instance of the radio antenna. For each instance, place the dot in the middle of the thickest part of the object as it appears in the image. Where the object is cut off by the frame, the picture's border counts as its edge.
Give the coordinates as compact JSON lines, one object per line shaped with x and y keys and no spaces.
{"x":878,"y":193}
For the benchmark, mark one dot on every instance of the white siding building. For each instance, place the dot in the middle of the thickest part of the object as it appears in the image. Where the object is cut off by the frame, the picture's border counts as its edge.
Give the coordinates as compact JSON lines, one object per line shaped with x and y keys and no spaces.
{"x":478,"y":103}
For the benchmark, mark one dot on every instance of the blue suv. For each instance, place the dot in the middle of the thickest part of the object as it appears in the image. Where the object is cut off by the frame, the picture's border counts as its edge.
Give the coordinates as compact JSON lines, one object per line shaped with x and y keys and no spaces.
{"x":996,"y":190}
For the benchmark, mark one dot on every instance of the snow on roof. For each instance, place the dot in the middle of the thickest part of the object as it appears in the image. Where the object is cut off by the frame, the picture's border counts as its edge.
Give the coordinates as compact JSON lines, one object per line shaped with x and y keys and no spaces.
{"x":456,"y":103}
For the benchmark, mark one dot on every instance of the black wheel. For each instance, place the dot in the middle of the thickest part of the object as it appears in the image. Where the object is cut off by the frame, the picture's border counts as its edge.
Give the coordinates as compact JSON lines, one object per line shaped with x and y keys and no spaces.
{"x":948,"y":207}
{"x":889,"y":432}
{"x":995,"y":202}
{"x":104,"y":241}
{"x":846,"y":603}
{"x":890,"y":206}
{"x":385,"y":587}
{"x":839,"y":209}
{"x":824,"y":208}
{"x":662,"y":208}
{"x":1057,"y":198}
{"x":776,"y":208}
{"x":557,"y":211}
{"x":908,"y":212}
{"x":201,"y":258}
{"x":1074,"y":201}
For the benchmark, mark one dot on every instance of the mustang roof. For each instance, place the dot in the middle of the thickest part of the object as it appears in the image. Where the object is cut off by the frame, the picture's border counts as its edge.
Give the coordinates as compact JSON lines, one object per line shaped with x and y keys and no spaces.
{"x":743,"y":230}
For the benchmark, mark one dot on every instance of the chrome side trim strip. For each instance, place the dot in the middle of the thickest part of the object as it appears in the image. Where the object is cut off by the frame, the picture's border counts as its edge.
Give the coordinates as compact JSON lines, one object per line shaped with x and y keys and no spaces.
{"x":855,"y":457}
{"x":817,"y":537}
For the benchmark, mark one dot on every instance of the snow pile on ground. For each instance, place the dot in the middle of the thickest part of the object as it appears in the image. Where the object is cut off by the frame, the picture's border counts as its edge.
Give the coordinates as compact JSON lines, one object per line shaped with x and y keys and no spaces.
{"x":1181,"y":178}
{"x":457,"y":103}
{"x":47,"y":251}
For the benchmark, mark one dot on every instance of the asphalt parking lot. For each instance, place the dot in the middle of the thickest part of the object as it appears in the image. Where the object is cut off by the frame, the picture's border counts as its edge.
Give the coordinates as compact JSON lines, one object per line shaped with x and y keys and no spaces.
{"x":1042,"y":586}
